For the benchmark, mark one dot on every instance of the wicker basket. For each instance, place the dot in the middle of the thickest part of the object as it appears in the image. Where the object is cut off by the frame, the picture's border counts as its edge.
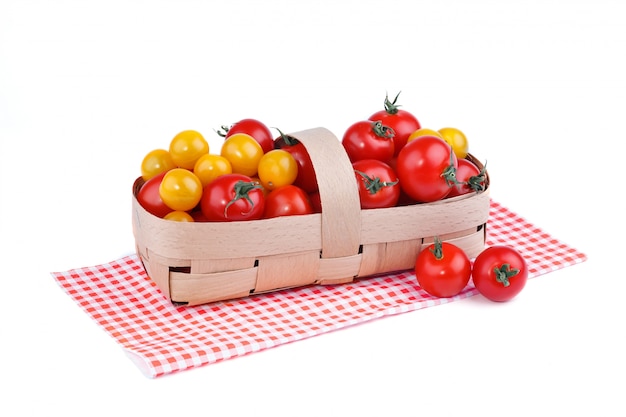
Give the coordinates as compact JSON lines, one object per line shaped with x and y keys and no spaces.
{"x":196,"y":263}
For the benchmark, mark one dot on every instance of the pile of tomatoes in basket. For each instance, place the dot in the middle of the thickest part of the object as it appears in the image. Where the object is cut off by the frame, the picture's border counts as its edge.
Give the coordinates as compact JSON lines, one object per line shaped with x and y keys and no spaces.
{"x":259,"y":175}
{"x":253,"y":176}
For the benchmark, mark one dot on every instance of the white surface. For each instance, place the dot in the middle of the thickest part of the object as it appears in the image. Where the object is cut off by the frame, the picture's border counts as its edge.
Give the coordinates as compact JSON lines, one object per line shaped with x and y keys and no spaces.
{"x":88,"y":87}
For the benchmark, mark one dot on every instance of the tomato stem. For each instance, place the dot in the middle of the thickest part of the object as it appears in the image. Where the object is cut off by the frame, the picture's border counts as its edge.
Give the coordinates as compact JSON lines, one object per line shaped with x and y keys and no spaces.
{"x":390,"y":106}
{"x":289,"y":140}
{"x":477,"y":182}
{"x":437,"y":249}
{"x":242,"y":190}
{"x":504,"y":273}
{"x":449,"y":174}
{"x":223,"y":131}
{"x":374,"y":184}
{"x":382,"y":131}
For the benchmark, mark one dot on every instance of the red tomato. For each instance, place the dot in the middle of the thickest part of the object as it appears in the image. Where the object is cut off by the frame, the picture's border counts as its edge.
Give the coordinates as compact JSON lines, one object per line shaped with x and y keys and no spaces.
{"x":499,"y":273}
{"x":443,"y":269}
{"x":368,"y":139}
{"x":427,"y":169}
{"x":378,"y":184}
{"x":150,"y":199}
{"x":470,"y":179}
{"x":306,"y":174}
{"x":288,"y":200}
{"x":255,"y":128}
{"x":402,"y":122}
{"x":232,"y":197}
{"x":316,"y":201}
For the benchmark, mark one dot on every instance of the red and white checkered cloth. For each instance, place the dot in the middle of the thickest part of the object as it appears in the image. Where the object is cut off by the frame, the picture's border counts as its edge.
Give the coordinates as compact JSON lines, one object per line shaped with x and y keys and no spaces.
{"x":163,"y":339}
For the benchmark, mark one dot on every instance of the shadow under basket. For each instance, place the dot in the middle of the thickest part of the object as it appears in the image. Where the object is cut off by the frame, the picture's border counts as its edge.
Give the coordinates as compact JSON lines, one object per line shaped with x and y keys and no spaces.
{"x":201,"y":262}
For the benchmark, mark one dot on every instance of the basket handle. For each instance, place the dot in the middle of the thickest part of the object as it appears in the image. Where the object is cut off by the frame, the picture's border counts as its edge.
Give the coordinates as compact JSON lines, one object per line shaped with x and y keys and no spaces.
{"x":339,"y":193}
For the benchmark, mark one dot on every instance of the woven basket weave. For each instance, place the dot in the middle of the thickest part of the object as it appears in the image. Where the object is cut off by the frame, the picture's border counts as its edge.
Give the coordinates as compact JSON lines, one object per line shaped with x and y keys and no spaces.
{"x":196,"y":263}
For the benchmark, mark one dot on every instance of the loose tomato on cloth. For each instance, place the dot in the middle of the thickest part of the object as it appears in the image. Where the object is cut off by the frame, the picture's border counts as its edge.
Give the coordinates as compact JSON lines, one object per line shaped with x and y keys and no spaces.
{"x":253,"y":127}
{"x":232,"y":197}
{"x":426,"y":168}
{"x":306,"y":174}
{"x":289,"y":200}
{"x":368,"y":139}
{"x":402,"y":122}
{"x":470,"y":179}
{"x":443,"y":269}
{"x":378,"y":184}
{"x":499,"y":273}
{"x":150,"y":199}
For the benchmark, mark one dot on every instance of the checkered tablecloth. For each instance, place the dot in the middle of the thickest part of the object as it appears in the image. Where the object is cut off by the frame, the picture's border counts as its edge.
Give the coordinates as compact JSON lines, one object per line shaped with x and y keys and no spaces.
{"x":162,"y":338}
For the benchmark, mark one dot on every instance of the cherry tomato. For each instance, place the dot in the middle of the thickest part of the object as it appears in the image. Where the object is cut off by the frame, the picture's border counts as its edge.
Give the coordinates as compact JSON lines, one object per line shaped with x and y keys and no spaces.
{"x":499,"y":273}
{"x":232,"y":197}
{"x":316,"y":201}
{"x":179,"y":216}
{"x":427,"y":169}
{"x":243,"y":153}
{"x":289,"y":200}
{"x":255,"y":128}
{"x":180,"y":189}
{"x":443,"y":269}
{"x":306,"y":174}
{"x":378,"y":184}
{"x":423,"y":132}
{"x":402,"y":122}
{"x":156,"y":162}
{"x":211,"y":166}
{"x":277,"y":168}
{"x":368,"y":139}
{"x":470,"y":179}
{"x":186,"y":147}
{"x":150,"y":199}
{"x":455,"y":138}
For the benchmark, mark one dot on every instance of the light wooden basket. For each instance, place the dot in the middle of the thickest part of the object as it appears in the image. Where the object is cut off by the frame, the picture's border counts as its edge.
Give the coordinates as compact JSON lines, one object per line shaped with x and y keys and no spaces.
{"x":196,"y":263}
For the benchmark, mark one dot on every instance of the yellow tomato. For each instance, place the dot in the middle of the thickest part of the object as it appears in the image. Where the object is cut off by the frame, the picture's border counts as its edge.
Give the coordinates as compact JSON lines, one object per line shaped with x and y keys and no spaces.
{"x":180,"y":189}
{"x":210,"y":166}
{"x":455,"y":138}
{"x":156,"y":162}
{"x":187,"y":147}
{"x":243,"y":152}
{"x":277,"y":168}
{"x":424,"y":132}
{"x":178,"y":216}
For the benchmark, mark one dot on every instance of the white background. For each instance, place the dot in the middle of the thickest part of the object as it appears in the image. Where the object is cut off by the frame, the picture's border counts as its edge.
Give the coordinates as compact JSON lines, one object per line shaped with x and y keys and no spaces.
{"x":539,"y":87}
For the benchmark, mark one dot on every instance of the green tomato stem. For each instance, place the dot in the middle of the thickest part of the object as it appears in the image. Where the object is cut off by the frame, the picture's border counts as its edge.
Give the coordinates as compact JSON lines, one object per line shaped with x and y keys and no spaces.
{"x":374,"y":184}
{"x":449,"y":174}
{"x":242,"y":190}
{"x":437,"y":249}
{"x":504,"y":273}
{"x":382,"y":131}
{"x":477,"y":182}
{"x":390,"y":106}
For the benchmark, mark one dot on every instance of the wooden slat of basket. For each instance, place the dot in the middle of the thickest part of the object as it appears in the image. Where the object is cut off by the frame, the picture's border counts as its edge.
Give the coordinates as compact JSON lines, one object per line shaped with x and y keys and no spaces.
{"x":341,"y":207}
{"x":278,"y":271}
{"x":195,"y":289}
{"x":422,"y":220}
{"x":216,"y":240}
